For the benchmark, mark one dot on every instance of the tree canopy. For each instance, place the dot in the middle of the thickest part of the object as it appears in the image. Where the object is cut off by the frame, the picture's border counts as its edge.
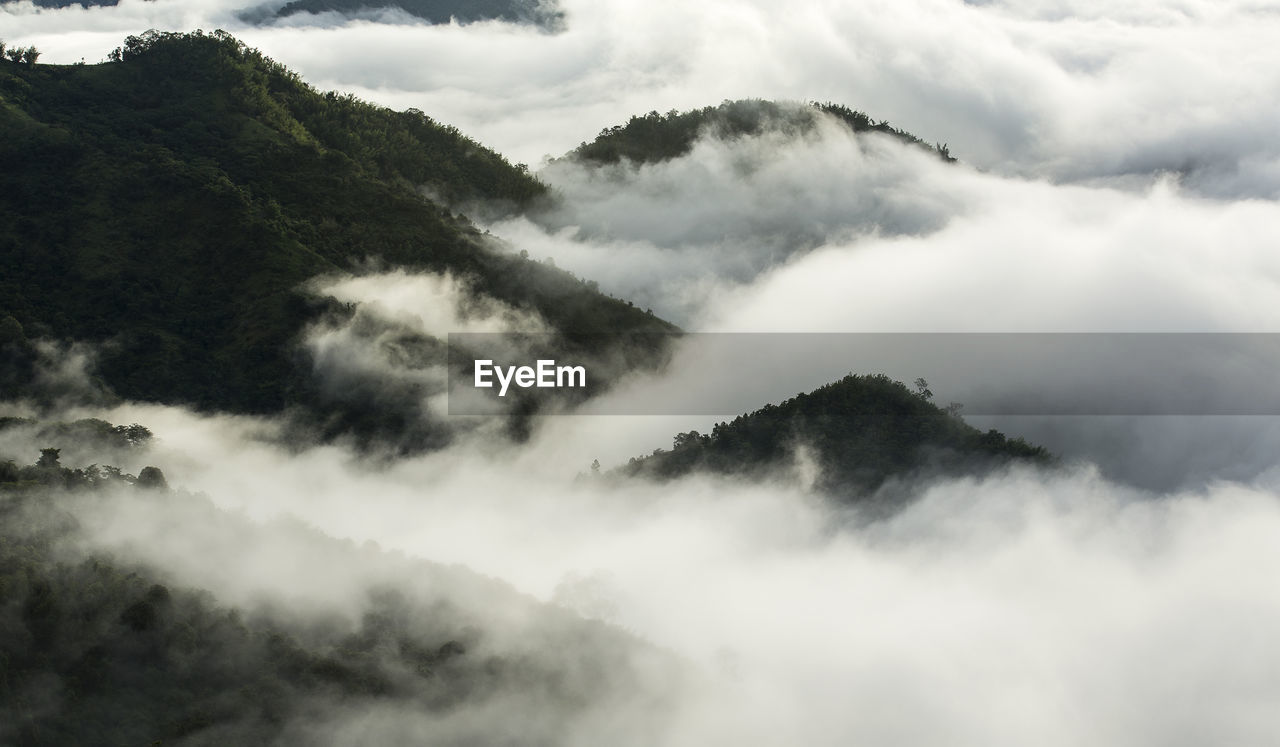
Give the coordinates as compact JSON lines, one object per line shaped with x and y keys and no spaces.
{"x":862,"y":430}
{"x":657,"y":137}
{"x":172,"y":202}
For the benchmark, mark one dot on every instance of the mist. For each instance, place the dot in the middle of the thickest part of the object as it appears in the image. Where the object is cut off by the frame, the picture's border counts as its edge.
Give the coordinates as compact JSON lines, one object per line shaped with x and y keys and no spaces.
{"x":1060,"y":90}
{"x":986,"y":611}
{"x":1118,"y":173}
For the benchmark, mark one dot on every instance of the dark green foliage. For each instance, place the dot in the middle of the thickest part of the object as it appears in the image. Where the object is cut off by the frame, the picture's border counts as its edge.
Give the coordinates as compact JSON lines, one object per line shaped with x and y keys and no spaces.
{"x":859,"y":122}
{"x":85,"y":434}
{"x":861,"y":430}
{"x":17,"y":358}
{"x":152,"y":478}
{"x":95,"y":650}
{"x":48,"y":472}
{"x":25,"y":55}
{"x":174,"y":202}
{"x":542,"y":14}
{"x":97,"y":654}
{"x":658,"y":137}
{"x":92,"y":433}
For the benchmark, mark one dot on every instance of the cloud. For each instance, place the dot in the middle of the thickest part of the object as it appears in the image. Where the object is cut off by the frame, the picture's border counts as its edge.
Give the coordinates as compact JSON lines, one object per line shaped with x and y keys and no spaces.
{"x":664,"y":234}
{"x":987,"y":612}
{"x":1121,"y":170}
{"x":394,"y":344}
{"x":1121,"y":176}
{"x":1065,"y":90}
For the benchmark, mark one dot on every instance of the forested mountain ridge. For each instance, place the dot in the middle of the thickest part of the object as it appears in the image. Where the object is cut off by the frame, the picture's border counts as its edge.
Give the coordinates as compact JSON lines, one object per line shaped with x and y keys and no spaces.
{"x":95,"y":649}
{"x":861,"y":431}
{"x":171,"y":202}
{"x":655,"y":137}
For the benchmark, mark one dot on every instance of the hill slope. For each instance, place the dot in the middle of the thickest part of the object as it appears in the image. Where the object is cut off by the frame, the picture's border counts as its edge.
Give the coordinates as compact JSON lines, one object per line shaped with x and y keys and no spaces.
{"x":861,"y":431}
{"x":99,"y":649}
{"x":170,"y":203}
{"x":657,"y":137}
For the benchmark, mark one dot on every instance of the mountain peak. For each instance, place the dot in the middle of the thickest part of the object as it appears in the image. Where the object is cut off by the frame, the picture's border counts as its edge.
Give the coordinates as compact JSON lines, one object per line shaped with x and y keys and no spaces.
{"x":655,"y":137}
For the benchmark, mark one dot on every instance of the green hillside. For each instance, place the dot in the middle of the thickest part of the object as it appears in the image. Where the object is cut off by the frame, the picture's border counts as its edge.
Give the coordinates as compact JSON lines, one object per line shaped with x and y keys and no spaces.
{"x":861,"y":431}
{"x":656,"y":137}
{"x":99,"y":651}
{"x":169,"y":204}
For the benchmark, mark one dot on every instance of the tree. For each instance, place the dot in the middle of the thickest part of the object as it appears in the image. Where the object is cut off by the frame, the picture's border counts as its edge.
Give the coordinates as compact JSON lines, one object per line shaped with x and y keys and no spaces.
{"x":688,"y":440}
{"x":922,"y":389}
{"x":134,"y":434}
{"x":10,"y":330}
{"x":49,"y":458}
{"x":152,"y":477}
{"x":30,"y":55}
{"x":14,"y":54}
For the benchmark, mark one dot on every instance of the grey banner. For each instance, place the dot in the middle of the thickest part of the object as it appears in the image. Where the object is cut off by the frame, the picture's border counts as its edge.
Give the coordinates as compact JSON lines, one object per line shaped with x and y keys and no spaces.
{"x":985,"y":374}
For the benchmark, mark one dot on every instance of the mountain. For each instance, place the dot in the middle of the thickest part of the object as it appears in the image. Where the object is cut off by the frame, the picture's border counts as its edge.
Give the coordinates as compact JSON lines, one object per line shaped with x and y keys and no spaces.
{"x":99,"y":650}
{"x":169,"y":206}
{"x":656,"y":137}
{"x":536,"y":12}
{"x":860,"y":432}
{"x":169,"y":209}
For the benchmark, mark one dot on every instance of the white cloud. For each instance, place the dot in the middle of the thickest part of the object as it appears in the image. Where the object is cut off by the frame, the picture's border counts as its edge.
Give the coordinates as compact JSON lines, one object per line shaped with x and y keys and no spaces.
{"x":1022,"y":608}
{"x":1069,"y":90}
{"x":1124,"y":176}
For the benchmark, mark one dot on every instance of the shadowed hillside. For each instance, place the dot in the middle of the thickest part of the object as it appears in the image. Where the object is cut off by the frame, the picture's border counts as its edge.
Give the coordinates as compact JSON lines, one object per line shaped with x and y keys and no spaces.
{"x":168,"y":205}
{"x":658,"y":137}
{"x":860,"y":431}
{"x":99,"y":650}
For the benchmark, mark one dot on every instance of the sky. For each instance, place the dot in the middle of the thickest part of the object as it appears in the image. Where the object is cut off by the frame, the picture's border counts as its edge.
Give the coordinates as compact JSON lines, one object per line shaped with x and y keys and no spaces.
{"x":1118,"y":172}
{"x":1063,"y":90}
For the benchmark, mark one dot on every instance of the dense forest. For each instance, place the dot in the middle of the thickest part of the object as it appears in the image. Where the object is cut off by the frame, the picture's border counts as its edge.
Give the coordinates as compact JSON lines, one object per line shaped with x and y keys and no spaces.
{"x":172,"y":202}
{"x":861,"y":432}
{"x":657,"y":137}
{"x":95,"y":650}
{"x":92,"y":434}
{"x":168,"y":207}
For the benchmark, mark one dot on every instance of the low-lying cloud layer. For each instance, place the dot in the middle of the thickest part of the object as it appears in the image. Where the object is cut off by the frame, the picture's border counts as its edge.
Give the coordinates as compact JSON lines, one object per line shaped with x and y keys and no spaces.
{"x":1064,"y":90}
{"x":1028,"y":607}
{"x":1120,"y":174}
{"x":822,"y":234}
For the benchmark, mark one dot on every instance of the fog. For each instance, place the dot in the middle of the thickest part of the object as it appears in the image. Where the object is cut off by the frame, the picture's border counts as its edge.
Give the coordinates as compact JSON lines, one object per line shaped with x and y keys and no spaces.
{"x":1066,"y":89}
{"x":1027,"y":606}
{"x":1119,"y":173}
